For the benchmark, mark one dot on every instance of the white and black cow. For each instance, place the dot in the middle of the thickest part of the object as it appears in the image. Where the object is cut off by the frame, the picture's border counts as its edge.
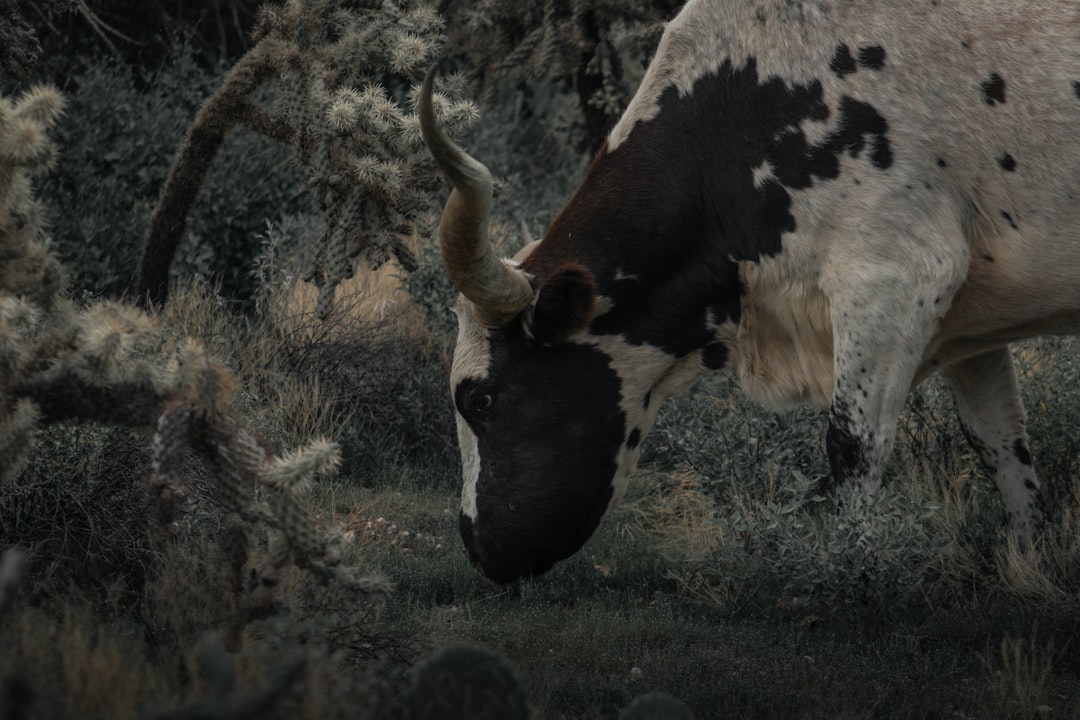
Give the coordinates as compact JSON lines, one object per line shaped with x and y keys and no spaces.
{"x":831,"y":199}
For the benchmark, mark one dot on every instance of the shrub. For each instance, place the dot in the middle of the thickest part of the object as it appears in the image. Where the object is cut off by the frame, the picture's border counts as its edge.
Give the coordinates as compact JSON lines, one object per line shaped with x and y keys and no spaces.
{"x":331,"y":70}
{"x":107,"y":364}
{"x":117,"y":141}
{"x":753,"y":523}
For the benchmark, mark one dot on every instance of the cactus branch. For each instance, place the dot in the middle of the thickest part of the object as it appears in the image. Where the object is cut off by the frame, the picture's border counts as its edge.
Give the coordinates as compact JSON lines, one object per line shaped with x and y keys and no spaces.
{"x":230,"y":105}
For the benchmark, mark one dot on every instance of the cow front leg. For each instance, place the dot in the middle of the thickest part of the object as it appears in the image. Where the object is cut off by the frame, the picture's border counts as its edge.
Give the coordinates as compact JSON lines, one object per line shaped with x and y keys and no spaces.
{"x":881,"y":327}
{"x":862,"y":420}
{"x":987,"y":400}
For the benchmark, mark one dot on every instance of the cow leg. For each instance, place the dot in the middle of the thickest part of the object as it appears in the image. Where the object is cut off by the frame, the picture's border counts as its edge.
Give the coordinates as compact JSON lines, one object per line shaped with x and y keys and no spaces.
{"x":869,"y":390}
{"x":885,"y":308}
{"x":987,"y":399}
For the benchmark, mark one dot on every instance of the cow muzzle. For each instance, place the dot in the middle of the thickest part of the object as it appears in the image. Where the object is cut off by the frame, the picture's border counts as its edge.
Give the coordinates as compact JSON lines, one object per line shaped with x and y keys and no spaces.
{"x":500,"y":562}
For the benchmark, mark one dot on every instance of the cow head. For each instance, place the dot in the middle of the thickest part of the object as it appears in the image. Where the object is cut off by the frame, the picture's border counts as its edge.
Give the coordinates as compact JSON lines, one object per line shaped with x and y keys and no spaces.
{"x":550,"y":416}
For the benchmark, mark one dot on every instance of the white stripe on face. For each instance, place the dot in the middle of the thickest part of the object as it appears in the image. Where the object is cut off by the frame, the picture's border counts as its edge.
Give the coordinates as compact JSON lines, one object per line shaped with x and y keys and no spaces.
{"x":472,"y":359}
{"x":470,"y":467}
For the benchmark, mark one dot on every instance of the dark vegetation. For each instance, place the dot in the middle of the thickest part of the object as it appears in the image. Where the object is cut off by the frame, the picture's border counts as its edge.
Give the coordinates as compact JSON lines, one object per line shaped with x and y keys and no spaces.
{"x":147,"y":578}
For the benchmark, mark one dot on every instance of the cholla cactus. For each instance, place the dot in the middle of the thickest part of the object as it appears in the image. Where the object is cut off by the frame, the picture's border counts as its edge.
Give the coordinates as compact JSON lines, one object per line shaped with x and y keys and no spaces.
{"x":585,"y":41}
{"x":358,"y":143}
{"x":103,"y":364}
{"x":461,"y":682}
{"x":19,"y":46}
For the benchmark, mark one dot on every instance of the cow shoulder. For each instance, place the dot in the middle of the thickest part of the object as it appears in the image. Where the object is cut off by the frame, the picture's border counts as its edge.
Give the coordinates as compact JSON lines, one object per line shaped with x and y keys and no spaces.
{"x":782,"y":352}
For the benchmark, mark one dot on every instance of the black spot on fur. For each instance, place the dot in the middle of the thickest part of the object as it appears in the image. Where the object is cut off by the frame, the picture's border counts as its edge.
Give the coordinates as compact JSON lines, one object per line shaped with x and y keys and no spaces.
{"x":1076,"y":88}
{"x":987,"y":258}
{"x":797,"y":164}
{"x":648,"y":398}
{"x":842,"y":63}
{"x":714,"y":356}
{"x":848,"y":452}
{"x":859,"y":119}
{"x":634,"y":439}
{"x":1007,"y":162}
{"x":1009,"y":219}
{"x":941,"y":162}
{"x":872,"y":57}
{"x":1022,"y":453}
{"x":993,"y":89}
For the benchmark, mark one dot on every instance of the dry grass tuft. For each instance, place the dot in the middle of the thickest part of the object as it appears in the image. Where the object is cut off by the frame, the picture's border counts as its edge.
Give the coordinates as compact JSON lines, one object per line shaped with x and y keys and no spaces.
{"x":1019,"y":676}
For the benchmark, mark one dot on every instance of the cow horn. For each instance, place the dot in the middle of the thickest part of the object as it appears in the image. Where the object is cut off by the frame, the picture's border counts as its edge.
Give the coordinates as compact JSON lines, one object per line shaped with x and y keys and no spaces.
{"x":497,"y":290}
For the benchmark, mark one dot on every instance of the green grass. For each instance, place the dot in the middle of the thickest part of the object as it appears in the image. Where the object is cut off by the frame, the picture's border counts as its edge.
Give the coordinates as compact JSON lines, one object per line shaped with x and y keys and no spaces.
{"x":610,"y":624}
{"x":725,"y":578}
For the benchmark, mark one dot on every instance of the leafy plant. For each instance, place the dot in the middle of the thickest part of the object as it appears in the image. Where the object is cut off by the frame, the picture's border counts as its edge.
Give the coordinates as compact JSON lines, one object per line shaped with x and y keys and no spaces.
{"x":118,"y":139}
{"x":584,"y":42}
{"x":360,"y":151}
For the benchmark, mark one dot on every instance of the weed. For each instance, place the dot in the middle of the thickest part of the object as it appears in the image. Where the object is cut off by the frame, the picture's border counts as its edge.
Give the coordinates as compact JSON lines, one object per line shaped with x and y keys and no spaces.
{"x":1020,"y":674}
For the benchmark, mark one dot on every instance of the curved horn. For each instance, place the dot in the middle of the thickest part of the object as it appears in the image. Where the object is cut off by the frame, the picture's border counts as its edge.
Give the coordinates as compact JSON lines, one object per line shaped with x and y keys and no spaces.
{"x":497,"y":290}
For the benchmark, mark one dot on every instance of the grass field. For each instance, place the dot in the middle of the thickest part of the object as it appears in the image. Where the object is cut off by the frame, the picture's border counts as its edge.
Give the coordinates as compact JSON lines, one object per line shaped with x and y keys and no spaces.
{"x":190,"y":590}
{"x":725,"y":579}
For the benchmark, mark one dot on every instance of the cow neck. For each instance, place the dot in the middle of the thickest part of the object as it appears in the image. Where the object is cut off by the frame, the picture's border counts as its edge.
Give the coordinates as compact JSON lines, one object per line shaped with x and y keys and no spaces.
{"x":639,"y":223}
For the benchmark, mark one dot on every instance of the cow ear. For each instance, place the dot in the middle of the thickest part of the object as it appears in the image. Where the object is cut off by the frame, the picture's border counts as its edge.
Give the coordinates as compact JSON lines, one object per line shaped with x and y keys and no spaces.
{"x":564,"y":305}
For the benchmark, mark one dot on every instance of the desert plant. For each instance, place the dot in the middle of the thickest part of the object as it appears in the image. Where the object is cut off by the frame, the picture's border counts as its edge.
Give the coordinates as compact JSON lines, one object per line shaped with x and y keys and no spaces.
{"x":465,"y":682}
{"x":360,"y":150}
{"x":1019,"y":675}
{"x":584,"y":42}
{"x":20,"y":47}
{"x":118,"y":139}
{"x":104,"y":364}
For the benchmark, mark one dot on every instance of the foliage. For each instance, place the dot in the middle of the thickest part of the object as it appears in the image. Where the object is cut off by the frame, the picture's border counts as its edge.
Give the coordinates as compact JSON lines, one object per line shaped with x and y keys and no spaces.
{"x":20,"y":47}
{"x":797,"y":550}
{"x":466,"y":682}
{"x":430,"y":288}
{"x":377,"y":363}
{"x":749,"y":520}
{"x":587,"y":42}
{"x":110,"y":364}
{"x":360,"y":151}
{"x":118,"y":139}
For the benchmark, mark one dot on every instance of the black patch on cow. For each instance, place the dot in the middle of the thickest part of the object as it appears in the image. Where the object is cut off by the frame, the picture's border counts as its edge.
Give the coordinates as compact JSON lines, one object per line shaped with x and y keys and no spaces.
{"x":797,"y":164}
{"x":714,"y":356}
{"x":1009,"y":219}
{"x":634,"y":439}
{"x":843,"y":62}
{"x":1006,"y":162}
{"x":1076,"y":88}
{"x":548,"y":444}
{"x":676,"y":203}
{"x":848,"y":451}
{"x":872,"y":57}
{"x":1022,"y":453}
{"x":993,"y":89}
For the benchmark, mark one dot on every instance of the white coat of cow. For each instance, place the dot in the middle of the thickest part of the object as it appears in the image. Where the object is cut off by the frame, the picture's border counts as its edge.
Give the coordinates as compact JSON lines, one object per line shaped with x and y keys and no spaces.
{"x":831,"y":199}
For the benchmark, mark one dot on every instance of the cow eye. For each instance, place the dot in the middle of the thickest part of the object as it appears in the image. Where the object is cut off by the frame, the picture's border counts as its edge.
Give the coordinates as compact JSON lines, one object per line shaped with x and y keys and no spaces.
{"x":480,"y":402}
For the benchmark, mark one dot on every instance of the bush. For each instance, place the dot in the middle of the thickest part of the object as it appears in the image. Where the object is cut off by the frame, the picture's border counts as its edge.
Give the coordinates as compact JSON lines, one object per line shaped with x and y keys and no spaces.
{"x":752,"y":521}
{"x":117,"y":142}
